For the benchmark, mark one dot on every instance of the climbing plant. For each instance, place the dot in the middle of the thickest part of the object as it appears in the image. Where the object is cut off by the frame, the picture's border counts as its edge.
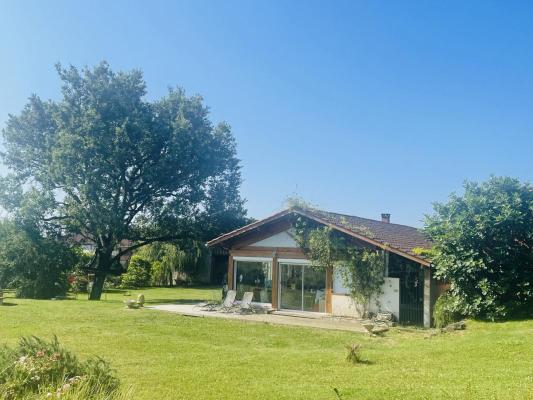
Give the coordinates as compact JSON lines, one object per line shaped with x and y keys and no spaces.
{"x":361,"y":269}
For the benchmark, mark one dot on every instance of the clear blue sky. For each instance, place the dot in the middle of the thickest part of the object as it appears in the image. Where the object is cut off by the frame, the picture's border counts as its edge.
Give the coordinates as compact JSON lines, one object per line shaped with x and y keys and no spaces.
{"x":359,"y":107}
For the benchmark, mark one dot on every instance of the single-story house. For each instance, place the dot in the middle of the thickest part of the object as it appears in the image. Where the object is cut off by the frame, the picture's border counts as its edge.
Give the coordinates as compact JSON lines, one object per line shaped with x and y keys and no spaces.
{"x":264,"y":258}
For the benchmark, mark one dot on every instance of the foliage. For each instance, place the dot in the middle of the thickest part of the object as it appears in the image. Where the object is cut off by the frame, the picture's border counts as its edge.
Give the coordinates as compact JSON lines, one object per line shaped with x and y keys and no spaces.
{"x":484,"y":247}
{"x":105,"y":163}
{"x":138,"y":273}
{"x":172,"y":261}
{"x":36,"y":266}
{"x":443,"y":311}
{"x":354,"y":353}
{"x":78,"y":279}
{"x":364,"y":275}
{"x":37,"y":366}
{"x":361,"y":269}
{"x":297,"y":202}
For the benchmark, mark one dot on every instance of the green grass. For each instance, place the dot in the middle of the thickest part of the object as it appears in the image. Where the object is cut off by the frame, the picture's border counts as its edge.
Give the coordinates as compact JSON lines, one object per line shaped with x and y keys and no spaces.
{"x":167,"y":356}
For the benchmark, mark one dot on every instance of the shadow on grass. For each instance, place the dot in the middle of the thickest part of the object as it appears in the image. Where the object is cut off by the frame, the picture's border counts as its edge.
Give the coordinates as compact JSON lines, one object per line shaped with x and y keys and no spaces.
{"x":4,"y":304}
{"x":364,"y":362}
{"x":173,"y":301}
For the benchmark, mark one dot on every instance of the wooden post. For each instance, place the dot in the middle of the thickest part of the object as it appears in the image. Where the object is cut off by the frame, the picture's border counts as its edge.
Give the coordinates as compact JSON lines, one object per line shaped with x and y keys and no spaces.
{"x":329,"y":290}
{"x":230,"y":273}
{"x":275,"y":281}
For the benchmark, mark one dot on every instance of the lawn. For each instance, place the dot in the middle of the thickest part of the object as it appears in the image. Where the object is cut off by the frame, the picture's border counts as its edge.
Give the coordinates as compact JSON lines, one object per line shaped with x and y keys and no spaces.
{"x":167,"y":356}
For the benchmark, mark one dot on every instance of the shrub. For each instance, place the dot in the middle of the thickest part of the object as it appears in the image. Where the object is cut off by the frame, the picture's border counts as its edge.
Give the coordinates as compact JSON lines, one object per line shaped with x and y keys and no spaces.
{"x":137,"y":274}
{"x":34,"y":265}
{"x":483,"y":241}
{"x":37,"y":367}
{"x":443,"y":311}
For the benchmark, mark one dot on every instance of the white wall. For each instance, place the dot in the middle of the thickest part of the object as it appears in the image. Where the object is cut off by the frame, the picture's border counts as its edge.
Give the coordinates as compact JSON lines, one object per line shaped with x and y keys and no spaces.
{"x":389,"y":300}
{"x":282,"y":239}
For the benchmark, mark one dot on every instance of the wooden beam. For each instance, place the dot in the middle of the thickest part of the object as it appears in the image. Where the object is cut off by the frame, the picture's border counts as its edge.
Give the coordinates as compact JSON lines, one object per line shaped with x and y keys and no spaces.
{"x":230,"y":272}
{"x":268,"y":252}
{"x":275,"y":282}
{"x":329,"y":290}
{"x":262,"y":232}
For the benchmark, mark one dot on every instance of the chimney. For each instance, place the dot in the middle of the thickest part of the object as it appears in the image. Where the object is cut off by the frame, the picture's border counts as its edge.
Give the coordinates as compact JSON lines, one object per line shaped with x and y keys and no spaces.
{"x":385,"y":218}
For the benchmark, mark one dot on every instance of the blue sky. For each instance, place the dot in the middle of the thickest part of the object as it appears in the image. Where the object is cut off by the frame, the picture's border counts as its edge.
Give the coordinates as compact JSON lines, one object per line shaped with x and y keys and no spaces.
{"x":359,"y":107}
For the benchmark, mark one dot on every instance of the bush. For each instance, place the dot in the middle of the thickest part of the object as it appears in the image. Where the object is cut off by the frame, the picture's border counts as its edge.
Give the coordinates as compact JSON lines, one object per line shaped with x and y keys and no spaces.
{"x":38,"y":368}
{"x":79,"y":282}
{"x":138,"y":273}
{"x":483,"y":241}
{"x":443,"y":311}
{"x":34,"y":265}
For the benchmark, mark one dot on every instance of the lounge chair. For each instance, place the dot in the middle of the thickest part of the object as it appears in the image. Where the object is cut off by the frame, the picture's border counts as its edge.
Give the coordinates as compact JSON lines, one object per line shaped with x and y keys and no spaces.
{"x":227,"y":304}
{"x":246,"y":302}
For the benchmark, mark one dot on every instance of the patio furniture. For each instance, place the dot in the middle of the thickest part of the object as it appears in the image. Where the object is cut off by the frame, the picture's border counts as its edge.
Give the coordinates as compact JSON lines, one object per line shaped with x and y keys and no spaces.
{"x":246,"y":302}
{"x":227,"y":304}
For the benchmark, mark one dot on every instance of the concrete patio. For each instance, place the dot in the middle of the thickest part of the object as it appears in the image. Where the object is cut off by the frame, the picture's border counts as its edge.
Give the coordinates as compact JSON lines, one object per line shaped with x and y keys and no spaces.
{"x":310,"y":320}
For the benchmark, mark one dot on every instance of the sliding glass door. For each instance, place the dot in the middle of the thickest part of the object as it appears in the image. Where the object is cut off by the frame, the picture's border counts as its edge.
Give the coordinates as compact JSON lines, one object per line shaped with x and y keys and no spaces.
{"x":302,"y":288}
{"x":256,"y":277}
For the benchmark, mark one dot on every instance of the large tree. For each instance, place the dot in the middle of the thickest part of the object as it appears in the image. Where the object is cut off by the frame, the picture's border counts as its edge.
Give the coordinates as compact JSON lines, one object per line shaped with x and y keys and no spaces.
{"x":484,"y":247}
{"x":105,"y":163}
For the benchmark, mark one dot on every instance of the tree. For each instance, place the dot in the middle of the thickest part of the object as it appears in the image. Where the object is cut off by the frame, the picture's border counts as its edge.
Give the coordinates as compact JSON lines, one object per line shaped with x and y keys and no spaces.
{"x":105,"y":163}
{"x":35,"y":266}
{"x":484,"y":247}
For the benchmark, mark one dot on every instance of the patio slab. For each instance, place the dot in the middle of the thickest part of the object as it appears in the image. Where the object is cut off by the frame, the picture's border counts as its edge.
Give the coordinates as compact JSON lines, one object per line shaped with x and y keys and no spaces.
{"x":325,"y":322}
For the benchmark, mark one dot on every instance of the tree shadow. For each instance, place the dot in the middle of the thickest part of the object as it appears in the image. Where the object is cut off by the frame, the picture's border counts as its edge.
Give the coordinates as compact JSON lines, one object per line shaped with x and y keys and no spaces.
{"x":5,"y":304}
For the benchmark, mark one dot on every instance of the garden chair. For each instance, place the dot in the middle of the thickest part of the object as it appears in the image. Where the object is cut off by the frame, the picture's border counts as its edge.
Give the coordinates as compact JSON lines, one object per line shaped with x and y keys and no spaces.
{"x":228,"y":303}
{"x":246,"y":302}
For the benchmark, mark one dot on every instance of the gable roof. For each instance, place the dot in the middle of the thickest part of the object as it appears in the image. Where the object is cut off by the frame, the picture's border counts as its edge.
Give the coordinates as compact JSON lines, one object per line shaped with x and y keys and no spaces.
{"x":400,"y":239}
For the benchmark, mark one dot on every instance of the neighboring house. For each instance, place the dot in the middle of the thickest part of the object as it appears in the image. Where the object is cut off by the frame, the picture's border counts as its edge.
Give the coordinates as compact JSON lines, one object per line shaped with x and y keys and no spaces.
{"x":263,"y":257}
{"x":90,"y":247}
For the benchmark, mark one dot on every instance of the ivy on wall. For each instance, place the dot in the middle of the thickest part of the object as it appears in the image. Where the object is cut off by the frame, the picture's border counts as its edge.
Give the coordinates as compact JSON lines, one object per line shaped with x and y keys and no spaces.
{"x":361,"y":268}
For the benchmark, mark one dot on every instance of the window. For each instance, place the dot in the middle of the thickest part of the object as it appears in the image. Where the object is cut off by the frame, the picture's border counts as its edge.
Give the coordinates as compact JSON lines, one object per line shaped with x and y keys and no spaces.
{"x":256,"y":277}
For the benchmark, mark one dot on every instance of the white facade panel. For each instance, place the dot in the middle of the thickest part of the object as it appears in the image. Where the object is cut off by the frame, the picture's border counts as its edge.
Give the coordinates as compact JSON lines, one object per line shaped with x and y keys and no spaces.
{"x":389,"y":300}
{"x":282,"y":239}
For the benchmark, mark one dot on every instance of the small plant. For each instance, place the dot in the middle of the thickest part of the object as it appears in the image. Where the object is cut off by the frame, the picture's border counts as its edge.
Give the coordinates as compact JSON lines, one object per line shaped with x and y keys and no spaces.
{"x":443,"y":313}
{"x":37,"y":368}
{"x":354,"y":353}
{"x":338,"y":393}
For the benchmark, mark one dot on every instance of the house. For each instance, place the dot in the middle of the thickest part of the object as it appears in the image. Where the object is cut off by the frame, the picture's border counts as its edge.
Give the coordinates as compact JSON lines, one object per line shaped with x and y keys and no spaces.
{"x":89,"y":246}
{"x":263,"y":257}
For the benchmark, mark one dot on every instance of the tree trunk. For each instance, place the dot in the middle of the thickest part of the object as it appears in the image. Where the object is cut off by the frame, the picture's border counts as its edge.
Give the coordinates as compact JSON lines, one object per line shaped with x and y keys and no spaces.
{"x":98,"y":286}
{"x":103,"y":264}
